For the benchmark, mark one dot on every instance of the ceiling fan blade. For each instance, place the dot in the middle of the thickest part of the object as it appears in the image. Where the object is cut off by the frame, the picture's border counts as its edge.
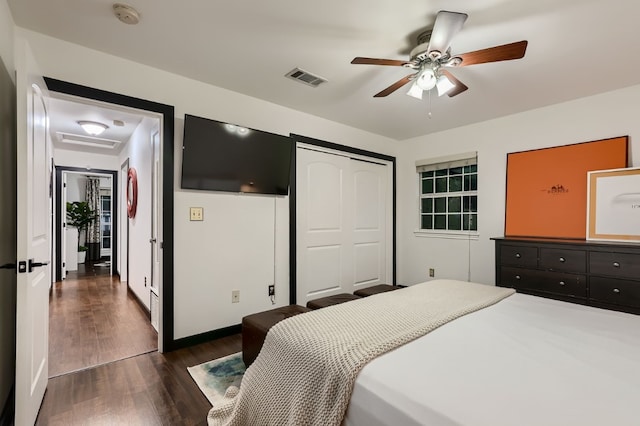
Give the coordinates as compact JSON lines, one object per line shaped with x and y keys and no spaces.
{"x":445,"y":28}
{"x":506,"y":52}
{"x":376,"y":61}
{"x":395,"y":86}
{"x":459,"y":86}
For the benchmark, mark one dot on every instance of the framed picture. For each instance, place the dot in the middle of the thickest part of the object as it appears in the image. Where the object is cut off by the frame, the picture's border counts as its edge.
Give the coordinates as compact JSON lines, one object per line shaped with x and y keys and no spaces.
{"x":547,"y":188}
{"x":613,"y":212}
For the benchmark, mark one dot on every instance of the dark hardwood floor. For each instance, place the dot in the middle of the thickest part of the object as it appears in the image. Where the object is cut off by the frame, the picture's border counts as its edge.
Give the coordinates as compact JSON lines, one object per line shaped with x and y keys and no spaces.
{"x":104,"y":366}
{"x":94,"y":319}
{"x":149,"y":389}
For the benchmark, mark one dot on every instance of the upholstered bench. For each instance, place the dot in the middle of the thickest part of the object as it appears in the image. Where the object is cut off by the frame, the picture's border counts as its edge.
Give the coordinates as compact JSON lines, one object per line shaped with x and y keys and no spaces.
{"x":336,"y":299}
{"x":380,"y":288}
{"x":256,"y":326}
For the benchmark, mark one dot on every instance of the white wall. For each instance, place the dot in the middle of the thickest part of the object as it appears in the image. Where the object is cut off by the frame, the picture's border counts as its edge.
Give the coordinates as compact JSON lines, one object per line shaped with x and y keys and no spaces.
{"x":76,"y":187}
{"x":203,"y":290}
{"x":139,"y":152}
{"x":69,"y":158}
{"x":7,"y":38}
{"x":598,"y":117}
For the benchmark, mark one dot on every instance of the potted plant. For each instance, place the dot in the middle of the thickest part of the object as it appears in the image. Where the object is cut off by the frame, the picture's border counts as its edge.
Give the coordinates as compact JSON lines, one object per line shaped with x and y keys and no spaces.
{"x":80,"y":215}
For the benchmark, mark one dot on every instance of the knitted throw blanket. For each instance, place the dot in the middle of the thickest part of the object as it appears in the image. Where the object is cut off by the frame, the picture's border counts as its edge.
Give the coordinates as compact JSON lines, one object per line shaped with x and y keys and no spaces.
{"x":306,"y":370}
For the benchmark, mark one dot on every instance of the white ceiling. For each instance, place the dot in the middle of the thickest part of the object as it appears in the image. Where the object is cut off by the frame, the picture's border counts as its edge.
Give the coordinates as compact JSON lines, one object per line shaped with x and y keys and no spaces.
{"x":66,"y":111}
{"x":576,"y":48}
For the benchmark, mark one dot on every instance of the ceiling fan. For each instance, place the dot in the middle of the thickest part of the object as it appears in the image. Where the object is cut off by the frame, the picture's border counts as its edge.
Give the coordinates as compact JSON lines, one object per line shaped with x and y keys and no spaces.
{"x":433,"y":54}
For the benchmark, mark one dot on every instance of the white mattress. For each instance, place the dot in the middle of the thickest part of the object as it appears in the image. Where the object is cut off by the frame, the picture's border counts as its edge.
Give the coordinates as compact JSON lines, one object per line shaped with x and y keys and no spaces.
{"x":524,"y":361}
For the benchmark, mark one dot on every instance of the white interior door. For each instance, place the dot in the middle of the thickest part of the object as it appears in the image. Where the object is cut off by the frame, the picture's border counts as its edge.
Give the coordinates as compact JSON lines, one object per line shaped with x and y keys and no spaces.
{"x":370,"y":220}
{"x":34,"y":247}
{"x":155,"y":212}
{"x":123,"y":224}
{"x":323,"y":252}
{"x":343,"y":224}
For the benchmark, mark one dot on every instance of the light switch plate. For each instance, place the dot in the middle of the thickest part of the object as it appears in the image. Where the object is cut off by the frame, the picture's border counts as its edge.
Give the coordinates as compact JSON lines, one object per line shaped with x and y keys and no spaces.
{"x":196,"y":213}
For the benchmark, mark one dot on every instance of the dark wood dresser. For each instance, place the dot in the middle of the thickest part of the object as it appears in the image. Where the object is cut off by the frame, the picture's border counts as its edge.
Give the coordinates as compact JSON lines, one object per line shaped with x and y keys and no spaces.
{"x":601,"y":274}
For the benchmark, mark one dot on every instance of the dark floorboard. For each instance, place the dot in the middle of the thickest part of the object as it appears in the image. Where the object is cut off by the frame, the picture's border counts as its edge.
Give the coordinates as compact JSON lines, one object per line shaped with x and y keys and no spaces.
{"x":94,"y":319}
{"x":149,"y":389}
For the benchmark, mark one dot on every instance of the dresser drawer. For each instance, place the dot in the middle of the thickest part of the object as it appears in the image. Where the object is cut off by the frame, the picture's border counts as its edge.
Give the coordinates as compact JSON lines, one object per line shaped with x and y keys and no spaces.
{"x":519,"y":256}
{"x":618,"y":292}
{"x":622,"y":265}
{"x":544,"y":281}
{"x":563,"y":260}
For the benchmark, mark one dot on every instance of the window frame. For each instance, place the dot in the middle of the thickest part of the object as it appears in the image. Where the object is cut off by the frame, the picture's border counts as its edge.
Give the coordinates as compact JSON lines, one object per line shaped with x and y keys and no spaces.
{"x":447,"y":163}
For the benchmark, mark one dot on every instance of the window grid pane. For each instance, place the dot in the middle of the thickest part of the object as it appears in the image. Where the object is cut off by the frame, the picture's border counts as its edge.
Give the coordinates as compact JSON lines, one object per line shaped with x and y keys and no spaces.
{"x":449,"y":199}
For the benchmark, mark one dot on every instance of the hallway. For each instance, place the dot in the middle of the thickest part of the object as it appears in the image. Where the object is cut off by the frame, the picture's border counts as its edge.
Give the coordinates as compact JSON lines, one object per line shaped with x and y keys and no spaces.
{"x":94,"y":320}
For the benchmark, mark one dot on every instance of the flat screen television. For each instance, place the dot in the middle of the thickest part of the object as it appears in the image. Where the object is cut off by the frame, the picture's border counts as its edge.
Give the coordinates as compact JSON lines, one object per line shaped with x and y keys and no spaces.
{"x":219,"y":156}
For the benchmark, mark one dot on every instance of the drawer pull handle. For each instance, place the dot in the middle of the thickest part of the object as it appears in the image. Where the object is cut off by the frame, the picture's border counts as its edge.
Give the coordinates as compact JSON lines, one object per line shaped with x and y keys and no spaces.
{"x":562,"y":260}
{"x":517,"y":277}
{"x":562,"y":283}
{"x":616,"y":290}
{"x":518,"y":256}
{"x":616,"y":264}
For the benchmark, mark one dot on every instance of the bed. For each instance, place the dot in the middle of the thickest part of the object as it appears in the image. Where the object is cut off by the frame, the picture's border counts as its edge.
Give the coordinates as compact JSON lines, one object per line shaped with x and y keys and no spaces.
{"x":522,"y":360}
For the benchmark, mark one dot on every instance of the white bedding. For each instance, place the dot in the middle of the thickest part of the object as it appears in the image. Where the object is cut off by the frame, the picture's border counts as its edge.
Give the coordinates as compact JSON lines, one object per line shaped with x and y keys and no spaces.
{"x":524,"y":361}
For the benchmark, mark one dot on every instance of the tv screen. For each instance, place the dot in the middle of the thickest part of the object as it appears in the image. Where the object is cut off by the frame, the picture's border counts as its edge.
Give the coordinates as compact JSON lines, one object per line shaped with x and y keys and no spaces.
{"x":219,"y":156}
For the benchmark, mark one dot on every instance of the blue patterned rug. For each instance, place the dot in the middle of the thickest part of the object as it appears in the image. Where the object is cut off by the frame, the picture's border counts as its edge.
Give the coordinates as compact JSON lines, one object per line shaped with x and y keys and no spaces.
{"x":214,"y":377}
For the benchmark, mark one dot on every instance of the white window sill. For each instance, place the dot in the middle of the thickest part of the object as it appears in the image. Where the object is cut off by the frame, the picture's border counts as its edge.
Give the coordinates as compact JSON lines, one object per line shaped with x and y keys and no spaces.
{"x":452,"y":235}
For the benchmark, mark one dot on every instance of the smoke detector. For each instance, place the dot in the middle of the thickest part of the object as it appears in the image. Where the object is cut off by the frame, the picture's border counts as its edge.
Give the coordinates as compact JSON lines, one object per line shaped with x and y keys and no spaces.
{"x":126,"y":13}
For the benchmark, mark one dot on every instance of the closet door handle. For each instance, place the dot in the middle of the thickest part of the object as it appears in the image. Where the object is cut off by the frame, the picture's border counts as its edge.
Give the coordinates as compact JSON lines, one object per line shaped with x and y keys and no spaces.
{"x":33,"y":264}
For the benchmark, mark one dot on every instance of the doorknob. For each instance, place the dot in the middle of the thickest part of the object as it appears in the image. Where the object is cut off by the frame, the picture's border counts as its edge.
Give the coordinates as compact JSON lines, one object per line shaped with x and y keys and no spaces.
{"x":8,"y":266}
{"x":33,"y":264}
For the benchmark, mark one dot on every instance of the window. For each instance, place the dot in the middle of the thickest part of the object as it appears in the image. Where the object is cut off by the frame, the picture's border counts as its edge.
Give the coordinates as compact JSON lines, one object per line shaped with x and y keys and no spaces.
{"x":449,"y":194}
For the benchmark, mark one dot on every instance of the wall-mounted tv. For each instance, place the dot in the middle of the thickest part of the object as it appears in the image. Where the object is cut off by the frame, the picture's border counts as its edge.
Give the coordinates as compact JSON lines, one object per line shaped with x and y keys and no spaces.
{"x":219,"y":156}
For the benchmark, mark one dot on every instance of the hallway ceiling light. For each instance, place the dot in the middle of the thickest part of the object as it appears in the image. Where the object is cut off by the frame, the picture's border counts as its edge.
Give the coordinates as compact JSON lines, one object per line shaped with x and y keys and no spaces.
{"x":93,"y":127}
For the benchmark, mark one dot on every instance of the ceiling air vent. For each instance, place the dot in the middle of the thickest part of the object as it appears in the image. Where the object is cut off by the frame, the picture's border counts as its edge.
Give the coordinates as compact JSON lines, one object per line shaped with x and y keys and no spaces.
{"x":305,"y":77}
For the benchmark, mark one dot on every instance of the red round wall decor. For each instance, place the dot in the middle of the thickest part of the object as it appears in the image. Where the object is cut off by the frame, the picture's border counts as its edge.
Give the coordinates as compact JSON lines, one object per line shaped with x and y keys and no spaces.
{"x":132,"y":192}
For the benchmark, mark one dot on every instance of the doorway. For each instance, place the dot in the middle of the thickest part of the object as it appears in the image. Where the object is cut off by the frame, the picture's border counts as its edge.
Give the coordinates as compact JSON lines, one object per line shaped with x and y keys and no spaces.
{"x":98,"y":316}
{"x":77,"y":252}
{"x":166,"y":112}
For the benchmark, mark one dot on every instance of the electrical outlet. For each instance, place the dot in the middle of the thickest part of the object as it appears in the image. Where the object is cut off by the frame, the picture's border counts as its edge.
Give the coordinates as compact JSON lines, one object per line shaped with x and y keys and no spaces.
{"x":196,"y":213}
{"x":272,"y":290}
{"x":235,"y":296}
{"x":432,"y":272}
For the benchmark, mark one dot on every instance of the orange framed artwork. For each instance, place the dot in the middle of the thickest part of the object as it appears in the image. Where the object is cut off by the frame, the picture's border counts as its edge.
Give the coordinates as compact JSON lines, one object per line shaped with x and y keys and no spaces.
{"x":547,"y":188}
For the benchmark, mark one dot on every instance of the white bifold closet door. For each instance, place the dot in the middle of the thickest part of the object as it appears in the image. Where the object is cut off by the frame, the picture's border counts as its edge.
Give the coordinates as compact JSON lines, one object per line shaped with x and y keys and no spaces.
{"x":344,"y":223}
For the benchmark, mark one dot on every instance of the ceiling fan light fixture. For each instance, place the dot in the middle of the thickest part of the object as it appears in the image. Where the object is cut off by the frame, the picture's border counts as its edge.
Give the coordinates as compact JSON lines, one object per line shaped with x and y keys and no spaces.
{"x":93,"y":128}
{"x":444,"y":85}
{"x":427,"y":79}
{"x":453,"y":62}
{"x":415,"y":91}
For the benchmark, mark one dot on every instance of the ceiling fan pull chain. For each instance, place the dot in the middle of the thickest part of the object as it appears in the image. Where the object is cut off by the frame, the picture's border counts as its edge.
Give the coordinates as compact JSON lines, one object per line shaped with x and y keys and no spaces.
{"x":429,"y":105}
